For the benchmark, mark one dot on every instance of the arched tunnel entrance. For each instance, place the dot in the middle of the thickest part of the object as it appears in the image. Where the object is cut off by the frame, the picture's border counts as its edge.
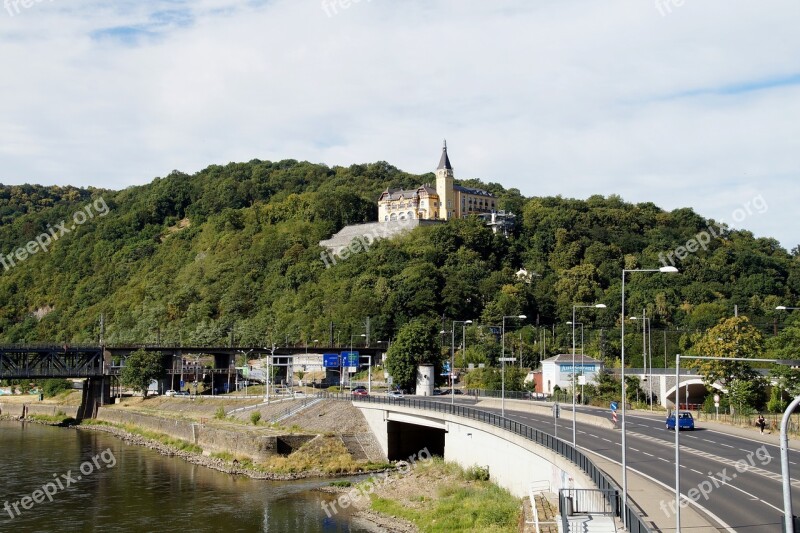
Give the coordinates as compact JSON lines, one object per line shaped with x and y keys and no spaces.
{"x":692,"y":394}
{"x":407,"y":440}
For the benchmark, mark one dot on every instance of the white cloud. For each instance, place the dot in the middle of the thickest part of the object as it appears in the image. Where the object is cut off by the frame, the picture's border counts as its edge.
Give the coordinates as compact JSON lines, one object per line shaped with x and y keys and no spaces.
{"x":695,"y":108}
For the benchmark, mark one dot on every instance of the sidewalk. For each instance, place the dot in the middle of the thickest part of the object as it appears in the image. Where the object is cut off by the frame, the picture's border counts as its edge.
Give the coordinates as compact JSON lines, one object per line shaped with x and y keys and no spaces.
{"x":646,"y":493}
{"x":648,"y":496}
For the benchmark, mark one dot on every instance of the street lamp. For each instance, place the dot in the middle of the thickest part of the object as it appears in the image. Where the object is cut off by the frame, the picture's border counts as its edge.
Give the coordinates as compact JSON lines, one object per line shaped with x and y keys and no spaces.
{"x":663,"y":270}
{"x":574,"y":307}
{"x":503,"y":362}
{"x":647,"y":348}
{"x":452,"y":356}
{"x":784,"y":308}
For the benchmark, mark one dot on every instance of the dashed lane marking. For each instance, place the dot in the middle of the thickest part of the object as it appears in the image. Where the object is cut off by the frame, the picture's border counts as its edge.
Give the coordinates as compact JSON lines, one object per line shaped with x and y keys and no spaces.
{"x":728,"y":462}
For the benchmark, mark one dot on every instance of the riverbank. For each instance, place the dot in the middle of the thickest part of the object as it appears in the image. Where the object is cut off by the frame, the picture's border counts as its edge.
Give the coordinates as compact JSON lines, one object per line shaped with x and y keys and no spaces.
{"x":431,"y":495}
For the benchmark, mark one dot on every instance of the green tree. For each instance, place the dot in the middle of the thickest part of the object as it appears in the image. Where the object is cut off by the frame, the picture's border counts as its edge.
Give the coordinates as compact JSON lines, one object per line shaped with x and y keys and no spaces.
{"x":743,"y":395}
{"x":417,"y":343}
{"x":52,"y":387}
{"x":141,"y":368}
{"x":776,"y":403}
{"x":731,"y":337}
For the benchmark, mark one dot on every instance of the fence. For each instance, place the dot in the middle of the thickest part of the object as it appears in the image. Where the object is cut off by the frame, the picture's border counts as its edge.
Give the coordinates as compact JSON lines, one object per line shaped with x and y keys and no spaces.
{"x":632,"y":515}
{"x":588,"y":501}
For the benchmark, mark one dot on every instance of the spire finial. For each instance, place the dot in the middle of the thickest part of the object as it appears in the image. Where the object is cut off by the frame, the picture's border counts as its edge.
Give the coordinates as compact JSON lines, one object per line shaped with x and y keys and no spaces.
{"x":444,"y":162}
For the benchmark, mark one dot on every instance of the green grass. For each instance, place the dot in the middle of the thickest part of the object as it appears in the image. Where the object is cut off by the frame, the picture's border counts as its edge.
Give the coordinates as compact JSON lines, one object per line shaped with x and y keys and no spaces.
{"x":466,"y":506}
{"x":59,"y":418}
{"x":178,"y":444}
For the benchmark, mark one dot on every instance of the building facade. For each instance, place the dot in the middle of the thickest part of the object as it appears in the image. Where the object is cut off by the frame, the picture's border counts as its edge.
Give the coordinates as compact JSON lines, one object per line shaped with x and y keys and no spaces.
{"x":443,"y":202}
{"x":557,"y":370}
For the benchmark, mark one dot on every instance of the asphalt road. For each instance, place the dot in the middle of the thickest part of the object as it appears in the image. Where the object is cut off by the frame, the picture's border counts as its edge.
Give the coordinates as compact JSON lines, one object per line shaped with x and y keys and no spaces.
{"x":736,"y":480}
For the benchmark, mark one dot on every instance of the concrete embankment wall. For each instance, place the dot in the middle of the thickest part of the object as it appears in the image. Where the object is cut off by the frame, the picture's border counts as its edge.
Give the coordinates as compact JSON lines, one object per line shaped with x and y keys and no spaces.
{"x":244,"y":442}
{"x":25,"y":409}
{"x":513,"y":461}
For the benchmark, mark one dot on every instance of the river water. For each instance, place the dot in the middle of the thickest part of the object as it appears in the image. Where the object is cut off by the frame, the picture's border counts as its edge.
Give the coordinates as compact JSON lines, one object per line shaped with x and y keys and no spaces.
{"x":98,"y":483}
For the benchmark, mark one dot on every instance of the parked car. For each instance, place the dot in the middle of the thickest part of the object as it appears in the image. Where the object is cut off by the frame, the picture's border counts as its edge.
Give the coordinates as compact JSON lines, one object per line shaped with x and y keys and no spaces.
{"x":395,"y":393}
{"x":685,"y":421}
{"x":170,"y":393}
{"x":360,"y":391}
{"x":437,"y":392}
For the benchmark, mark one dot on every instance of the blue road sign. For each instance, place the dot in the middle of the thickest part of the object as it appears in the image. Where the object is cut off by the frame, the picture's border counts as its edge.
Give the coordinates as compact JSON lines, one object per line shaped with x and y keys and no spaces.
{"x":183,"y":384}
{"x":330,"y":360}
{"x":350,"y":358}
{"x":613,"y":406}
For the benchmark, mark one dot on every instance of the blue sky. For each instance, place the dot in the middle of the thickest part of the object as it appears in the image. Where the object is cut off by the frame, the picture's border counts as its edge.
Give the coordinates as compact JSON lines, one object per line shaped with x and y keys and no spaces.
{"x":683,"y":103}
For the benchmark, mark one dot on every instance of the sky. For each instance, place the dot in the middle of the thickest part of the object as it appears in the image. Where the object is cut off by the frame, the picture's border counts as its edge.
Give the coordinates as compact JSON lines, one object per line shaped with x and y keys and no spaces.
{"x":684,"y":103}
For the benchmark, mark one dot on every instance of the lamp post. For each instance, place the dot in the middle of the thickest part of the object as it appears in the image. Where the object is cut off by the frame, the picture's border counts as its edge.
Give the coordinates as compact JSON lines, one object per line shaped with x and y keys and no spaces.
{"x":574,"y":308}
{"x":663,"y":270}
{"x":647,"y":354}
{"x":452,"y":356}
{"x":503,"y":363}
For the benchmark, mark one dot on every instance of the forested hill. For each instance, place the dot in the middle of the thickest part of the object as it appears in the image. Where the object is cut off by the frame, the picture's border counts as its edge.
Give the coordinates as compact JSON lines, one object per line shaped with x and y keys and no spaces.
{"x":187,"y":257}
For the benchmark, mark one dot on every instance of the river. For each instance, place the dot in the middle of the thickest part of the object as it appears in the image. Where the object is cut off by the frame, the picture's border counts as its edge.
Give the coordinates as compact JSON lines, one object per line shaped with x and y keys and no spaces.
{"x":78,"y":480}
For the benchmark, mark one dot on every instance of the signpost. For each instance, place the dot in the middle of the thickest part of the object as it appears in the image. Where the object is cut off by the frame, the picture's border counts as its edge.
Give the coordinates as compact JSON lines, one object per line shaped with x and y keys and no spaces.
{"x":330,"y":360}
{"x":556,"y":414}
{"x":614,"y":406}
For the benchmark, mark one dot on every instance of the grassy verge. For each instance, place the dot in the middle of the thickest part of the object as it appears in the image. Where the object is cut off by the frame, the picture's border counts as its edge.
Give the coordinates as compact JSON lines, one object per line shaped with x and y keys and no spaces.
{"x":325,"y":454}
{"x":178,"y":444}
{"x":60,"y":418}
{"x":448,"y":498}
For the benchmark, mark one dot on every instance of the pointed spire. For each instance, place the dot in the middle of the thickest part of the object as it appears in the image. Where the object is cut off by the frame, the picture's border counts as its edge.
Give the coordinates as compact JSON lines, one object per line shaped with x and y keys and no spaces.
{"x":444,"y":162}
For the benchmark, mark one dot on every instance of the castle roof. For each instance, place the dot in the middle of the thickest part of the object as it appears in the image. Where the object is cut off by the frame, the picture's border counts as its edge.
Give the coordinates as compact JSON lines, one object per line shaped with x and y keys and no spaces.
{"x":444,"y":162}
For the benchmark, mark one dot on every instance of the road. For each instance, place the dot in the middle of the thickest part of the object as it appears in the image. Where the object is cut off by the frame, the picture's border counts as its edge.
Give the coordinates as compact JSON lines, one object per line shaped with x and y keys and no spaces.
{"x":736,"y":481}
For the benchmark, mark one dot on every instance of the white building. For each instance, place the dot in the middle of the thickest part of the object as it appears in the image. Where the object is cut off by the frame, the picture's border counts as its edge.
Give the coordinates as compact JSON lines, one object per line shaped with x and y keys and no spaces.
{"x":557,"y":370}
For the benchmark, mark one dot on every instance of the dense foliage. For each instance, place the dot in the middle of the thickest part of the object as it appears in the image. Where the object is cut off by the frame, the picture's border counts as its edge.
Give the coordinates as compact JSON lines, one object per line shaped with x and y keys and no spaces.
{"x":232,"y":252}
{"x":142,"y":368}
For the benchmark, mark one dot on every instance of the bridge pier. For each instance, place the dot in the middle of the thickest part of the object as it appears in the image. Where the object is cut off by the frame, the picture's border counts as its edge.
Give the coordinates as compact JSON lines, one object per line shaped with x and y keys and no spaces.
{"x":96,"y":393}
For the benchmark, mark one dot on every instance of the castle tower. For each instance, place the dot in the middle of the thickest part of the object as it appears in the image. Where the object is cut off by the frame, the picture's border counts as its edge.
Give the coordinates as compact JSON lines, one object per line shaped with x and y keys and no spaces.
{"x":444,"y":187}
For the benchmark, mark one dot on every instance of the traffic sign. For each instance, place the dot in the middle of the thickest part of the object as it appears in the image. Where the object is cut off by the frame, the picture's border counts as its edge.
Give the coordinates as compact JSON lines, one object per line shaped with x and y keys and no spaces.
{"x":349,"y":358}
{"x":507,"y":359}
{"x":614,"y":406}
{"x":183,"y":384}
{"x":330,"y":360}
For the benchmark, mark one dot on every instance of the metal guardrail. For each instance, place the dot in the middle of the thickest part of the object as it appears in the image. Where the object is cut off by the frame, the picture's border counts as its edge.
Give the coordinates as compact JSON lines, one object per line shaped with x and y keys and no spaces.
{"x":632,"y":516}
{"x":588,"y":501}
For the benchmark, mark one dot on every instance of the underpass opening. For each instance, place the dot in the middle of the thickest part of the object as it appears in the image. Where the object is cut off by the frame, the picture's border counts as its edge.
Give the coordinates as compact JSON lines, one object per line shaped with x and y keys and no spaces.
{"x":692,"y":394}
{"x":406,"y":440}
